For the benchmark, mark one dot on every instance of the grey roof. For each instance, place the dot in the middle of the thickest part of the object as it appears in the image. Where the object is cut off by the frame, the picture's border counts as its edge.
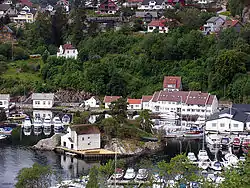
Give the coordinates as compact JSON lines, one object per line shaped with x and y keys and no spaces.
{"x":144,"y":14}
{"x":9,"y":30}
{"x":4,"y":7}
{"x":158,"y":2}
{"x":42,"y":96}
{"x":4,"y":97}
{"x":242,"y":107}
{"x":213,"y":19}
{"x":237,"y":115}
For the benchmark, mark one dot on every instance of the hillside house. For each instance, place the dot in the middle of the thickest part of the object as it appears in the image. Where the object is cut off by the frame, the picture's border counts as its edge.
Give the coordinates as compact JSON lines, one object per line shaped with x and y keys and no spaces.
{"x":172,"y":83}
{"x":213,"y":25}
{"x":67,"y":51}
{"x":4,"y":101}
{"x":152,"y":5}
{"x":6,"y":34}
{"x":108,"y":7}
{"x":132,"y":3}
{"x":146,"y":102}
{"x":235,"y":24}
{"x":134,"y":104}
{"x":158,"y":25}
{"x":147,"y":16}
{"x":82,"y":137}
{"x":64,"y":4}
{"x":7,"y":9}
{"x":109,"y":99}
{"x":42,"y":100}
{"x":92,"y":102}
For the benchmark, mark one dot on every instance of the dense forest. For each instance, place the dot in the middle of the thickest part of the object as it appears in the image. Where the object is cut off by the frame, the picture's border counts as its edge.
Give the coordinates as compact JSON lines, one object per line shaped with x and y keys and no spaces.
{"x":127,"y":62}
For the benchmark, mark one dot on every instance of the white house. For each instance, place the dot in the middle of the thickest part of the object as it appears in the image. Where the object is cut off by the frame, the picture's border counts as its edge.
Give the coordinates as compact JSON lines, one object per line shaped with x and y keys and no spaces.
{"x":213,"y":25}
{"x":93,"y":102}
{"x":49,"y":8}
{"x":23,"y":17}
{"x":134,"y":104}
{"x":67,"y":51}
{"x":146,"y":102}
{"x":228,"y":120}
{"x":172,"y":83}
{"x":184,"y":102}
{"x":159,"y":25}
{"x":82,"y":137}
{"x":109,"y":99}
{"x":4,"y":101}
{"x":42,"y":100}
{"x":152,"y":5}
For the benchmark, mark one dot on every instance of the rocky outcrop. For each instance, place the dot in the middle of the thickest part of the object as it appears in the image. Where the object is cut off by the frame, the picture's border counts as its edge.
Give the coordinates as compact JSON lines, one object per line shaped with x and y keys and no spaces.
{"x":132,"y":147}
{"x":71,"y":95}
{"x":49,"y":143}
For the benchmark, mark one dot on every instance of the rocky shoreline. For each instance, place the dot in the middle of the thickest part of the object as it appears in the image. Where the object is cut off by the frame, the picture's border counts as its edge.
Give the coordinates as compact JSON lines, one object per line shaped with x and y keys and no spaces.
{"x":48,"y":144}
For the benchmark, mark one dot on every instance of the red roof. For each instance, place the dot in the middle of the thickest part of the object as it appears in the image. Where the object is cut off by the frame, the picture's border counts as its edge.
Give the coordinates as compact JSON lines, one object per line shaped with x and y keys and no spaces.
{"x":109,"y":99}
{"x":68,"y":46}
{"x":231,"y":23}
{"x":134,"y":101}
{"x":26,"y":2}
{"x":188,"y":97}
{"x":135,"y":1}
{"x":176,"y":80}
{"x":158,"y":23}
{"x":146,"y":98}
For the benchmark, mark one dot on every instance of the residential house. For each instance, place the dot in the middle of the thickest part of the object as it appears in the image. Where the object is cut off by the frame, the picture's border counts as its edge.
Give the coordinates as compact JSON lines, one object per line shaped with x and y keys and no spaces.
{"x":146,"y":102}
{"x":6,"y":34}
{"x":213,"y":25}
{"x":108,"y":7}
{"x":7,"y":9}
{"x":204,"y":1}
{"x":42,"y":100}
{"x":22,"y":3}
{"x":235,"y":24}
{"x":152,"y":5}
{"x":190,"y":103}
{"x":172,"y":83}
{"x":158,"y":25}
{"x":7,"y":2}
{"x":134,"y":104}
{"x":228,"y":120}
{"x":147,"y":16}
{"x":26,"y":15}
{"x":92,"y":102}
{"x":67,"y":51}
{"x":109,"y":99}
{"x":174,"y":2}
{"x":82,"y":137}
{"x":4,"y":101}
{"x":49,"y":8}
{"x":132,"y":3}
{"x":64,"y":4}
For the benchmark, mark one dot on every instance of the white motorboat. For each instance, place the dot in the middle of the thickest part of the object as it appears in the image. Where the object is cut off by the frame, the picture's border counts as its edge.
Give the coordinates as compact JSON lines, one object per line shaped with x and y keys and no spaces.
{"x":191,"y":156}
{"x":66,"y":119}
{"x":58,"y":126}
{"x":118,"y":174}
{"x":170,"y":115}
{"x":130,"y":174}
{"x":213,"y":140}
{"x":242,"y":159}
{"x":47,"y":125}
{"x":159,"y":182}
{"x":216,"y":165}
{"x":142,"y":174}
{"x":37,"y":126}
{"x":204,"y":164}
{"x":2,"y":137}
{"x":202,"y":155}
{"x":232,"y":159}
{"x":27,"y":126}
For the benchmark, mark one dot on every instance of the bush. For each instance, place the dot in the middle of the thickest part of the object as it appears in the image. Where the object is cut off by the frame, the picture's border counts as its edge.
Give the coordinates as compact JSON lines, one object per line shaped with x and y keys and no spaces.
{"x":20,"y":54}
{"x":3,"y":58}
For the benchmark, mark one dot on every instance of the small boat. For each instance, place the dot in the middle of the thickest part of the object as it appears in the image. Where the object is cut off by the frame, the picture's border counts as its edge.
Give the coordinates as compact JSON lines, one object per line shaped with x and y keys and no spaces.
{"x":204,"y":164}
{"x":27,"y":126}
{"x":216,"y":165}
{"x":66,"y":119}
{"x":142,"y":174}
{"x":232,"y":159}
{"x":118,"y":174}
{"x":169,"y":116}
{"x":159,"y":182}
{"x":58,"y":126}
{"x":6,"y":130}
{"x":47,"y":125}
{"x":2,"y":137}
{"x":194,"y":132}
{"x":213,"y":140}
{"x":242,"y":159}
{"x":246,"y":144}
{"x":18,"y":116}
{"x":130,"y":174}
{"x":236,"y":142}
{"x":202,"y":155}
{"x":191,"y":156}
{"x":225,"y":142}
{"x":37,"y":126}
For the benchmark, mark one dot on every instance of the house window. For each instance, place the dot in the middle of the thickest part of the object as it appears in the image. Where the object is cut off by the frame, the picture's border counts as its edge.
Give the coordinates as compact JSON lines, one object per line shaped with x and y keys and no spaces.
{"x":151,"y":28}
{"x":137,"y":106}
{"x":88,"y":137}
{"x":64,"y":144}
{"x":37,"y":102}
{"x":5,"y":102}
{"x":73,"y":51}
{"x":89,"y":143}
{"x":1,"y":103}
{"x":213,"y":124}
{"x":235,"y":125}
{"x":188,"y":110}
{"x":44,"y":102}
{"x":222,"y":125}
{"x":82,"y":138}
{"x":48,"y":102}
{"x":183,"y":110}
{"x":192,"y":110}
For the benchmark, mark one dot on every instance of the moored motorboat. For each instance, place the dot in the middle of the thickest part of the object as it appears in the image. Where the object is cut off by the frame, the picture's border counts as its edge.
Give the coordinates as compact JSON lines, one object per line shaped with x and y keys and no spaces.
{"x":191,"y":156}
{"x":194,"y":132}
{"x":2,"y":137}
{"x":170,"y":115}
{"x":17,"y":116}
{"x":204,"y":164}
{"x":37,"y":126}
{"x":246,"y":144}
{"x":118,"y":174}
{"x":66,"y":119}
{"x":225,"y":142}
{"x":202,"y":155}
{"x":142,"y":174}
{"x":216,"y":165}
{"x":58,"y":126}
{"x":130,"y":174}
{"x":27,"y":126}
{"x":213,"y":140}
{"x":6,"y":130}
{"x":47,"y":125}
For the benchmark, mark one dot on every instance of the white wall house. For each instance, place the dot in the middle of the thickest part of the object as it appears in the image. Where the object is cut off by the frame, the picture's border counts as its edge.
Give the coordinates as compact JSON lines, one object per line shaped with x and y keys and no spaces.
{"x":93,"y":102}
{"x":152,"y":5}
{"x":146,"y":102}
{"x":42,"y":100}
{"x":159,"y":25}
{"x":213,"y":25}
{"x":226,"y":121}
{"x":4,"y":101}
{"x":67,"y":51}
{"x":109,"y":99}
{"x":82,"y":137}
{"x":184,"y":102}
{"x":134,"y":104}
{"x":172,"y":83}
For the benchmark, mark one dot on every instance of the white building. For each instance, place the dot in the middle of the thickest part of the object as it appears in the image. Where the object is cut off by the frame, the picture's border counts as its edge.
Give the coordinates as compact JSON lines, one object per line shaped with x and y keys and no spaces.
{"x":134,"y":104}
{"x":184,"y":102}
{"x":42,"y":100}
{"x":213,"y":25}
{"x":227,"y":121}
{"x":109,"y":99}
{"x":152,"y":5}
{"x":159,"y":25}
{"x":172,"y":83}
{"x":93,"y":102}
{"x":23,"y":17}
{"x":67,"y":51}
{"x":82,"y":137}
{"x":146,"y":102}
{"x":4,"y":101}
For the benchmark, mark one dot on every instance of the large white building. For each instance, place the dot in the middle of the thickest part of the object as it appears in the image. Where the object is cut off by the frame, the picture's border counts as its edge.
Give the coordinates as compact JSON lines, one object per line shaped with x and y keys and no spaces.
{"x":42,"y":100}
{"x":4,"y":101}
{"x":67,"y":51}
{"x":92,"y":102}
{"x":82,"y":137}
